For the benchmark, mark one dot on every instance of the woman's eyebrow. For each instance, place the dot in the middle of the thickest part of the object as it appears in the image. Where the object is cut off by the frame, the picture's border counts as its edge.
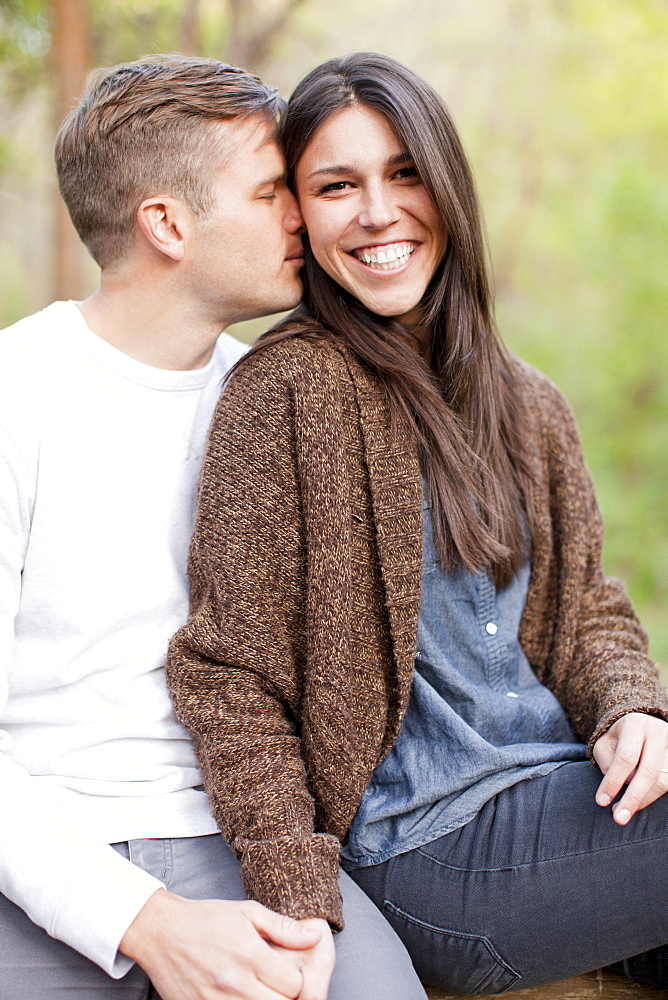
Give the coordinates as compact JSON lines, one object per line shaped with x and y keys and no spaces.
{"x":339,"y":168}
{"x":346,"y":168}
{"x":393,"y":161}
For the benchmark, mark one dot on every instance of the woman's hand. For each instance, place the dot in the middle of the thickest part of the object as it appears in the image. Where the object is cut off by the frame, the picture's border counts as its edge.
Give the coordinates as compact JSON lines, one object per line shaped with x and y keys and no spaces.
{"x":633,"y":751}
{"x":316,"y":963}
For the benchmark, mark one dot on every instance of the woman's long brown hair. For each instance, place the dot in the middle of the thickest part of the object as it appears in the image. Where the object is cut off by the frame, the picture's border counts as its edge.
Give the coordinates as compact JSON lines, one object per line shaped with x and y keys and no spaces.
{"x":463,"y":406}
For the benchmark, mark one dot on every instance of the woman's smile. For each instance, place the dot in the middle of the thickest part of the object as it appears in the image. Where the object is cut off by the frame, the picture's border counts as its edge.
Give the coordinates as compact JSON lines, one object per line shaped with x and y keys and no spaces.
{"x":386,"y":257}
{"x":371,"y":222}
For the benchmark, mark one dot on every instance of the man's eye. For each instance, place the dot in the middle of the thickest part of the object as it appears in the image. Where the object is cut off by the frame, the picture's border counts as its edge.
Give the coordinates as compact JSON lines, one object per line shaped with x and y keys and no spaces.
{"x":268,"y":197}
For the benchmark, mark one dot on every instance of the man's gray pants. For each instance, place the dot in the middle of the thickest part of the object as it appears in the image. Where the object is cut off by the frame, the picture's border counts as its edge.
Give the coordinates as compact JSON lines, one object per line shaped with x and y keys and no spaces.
{"x":371,"y":961}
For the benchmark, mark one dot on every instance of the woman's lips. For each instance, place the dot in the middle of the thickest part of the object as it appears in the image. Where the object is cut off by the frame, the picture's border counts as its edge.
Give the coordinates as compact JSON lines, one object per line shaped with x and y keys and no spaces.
{"x":386,"y":256}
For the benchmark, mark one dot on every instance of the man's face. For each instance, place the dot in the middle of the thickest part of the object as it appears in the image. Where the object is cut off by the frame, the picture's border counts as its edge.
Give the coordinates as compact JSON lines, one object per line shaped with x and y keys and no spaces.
{"x":247,"y":252}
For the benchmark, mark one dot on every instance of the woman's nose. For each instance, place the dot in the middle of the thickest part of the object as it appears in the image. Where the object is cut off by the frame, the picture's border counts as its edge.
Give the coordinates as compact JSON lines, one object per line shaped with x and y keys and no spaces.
{"x":379,"y":208}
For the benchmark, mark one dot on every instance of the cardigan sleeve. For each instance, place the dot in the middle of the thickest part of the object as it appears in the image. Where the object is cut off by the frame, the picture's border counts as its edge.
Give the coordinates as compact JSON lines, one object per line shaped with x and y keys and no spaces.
{"x":599,"y":669}
{"x":237,"y":669}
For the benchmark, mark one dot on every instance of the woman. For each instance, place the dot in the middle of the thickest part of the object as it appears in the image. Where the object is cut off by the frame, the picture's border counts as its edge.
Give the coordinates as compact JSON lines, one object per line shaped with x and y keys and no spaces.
{"x":404,"y":643}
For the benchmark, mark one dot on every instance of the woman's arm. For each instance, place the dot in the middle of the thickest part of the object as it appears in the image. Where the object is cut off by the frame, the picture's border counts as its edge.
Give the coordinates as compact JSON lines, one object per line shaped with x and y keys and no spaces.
{"x":238,"y":669}
{"x":599,"y":665}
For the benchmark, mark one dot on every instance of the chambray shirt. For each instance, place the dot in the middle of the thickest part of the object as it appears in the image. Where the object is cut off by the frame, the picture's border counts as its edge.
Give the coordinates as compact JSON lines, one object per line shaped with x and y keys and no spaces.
{"x":478,"y":719}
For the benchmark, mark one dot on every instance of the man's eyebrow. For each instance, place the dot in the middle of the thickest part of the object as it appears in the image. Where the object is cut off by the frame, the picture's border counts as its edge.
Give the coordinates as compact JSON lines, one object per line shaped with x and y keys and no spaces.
{"x":346,"y":168}
{"x":277,"y":178}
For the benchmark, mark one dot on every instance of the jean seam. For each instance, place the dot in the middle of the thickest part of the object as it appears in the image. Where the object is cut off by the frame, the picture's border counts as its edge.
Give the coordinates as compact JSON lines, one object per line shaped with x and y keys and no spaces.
{"x":540,"y":861}
{"x":168,"y":861}
{"x":465,"y":935}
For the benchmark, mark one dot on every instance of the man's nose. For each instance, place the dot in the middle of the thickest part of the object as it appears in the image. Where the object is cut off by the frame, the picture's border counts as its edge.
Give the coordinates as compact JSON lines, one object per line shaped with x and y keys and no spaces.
{"x":294,"y":222}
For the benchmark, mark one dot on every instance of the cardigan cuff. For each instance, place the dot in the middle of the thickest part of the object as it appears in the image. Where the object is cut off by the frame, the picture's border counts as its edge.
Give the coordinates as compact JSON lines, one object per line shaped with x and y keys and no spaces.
{"x":299,"y":878}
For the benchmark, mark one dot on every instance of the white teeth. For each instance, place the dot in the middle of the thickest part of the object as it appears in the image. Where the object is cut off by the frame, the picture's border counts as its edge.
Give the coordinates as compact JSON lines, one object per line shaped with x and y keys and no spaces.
{"x":389,"y":257}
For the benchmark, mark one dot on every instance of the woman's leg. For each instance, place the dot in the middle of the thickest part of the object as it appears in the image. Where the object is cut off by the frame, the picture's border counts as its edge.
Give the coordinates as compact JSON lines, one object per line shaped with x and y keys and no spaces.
{"x":540,"y":886}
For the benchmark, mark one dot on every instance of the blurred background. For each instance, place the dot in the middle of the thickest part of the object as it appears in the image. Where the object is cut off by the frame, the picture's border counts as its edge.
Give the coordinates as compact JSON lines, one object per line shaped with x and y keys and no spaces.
{"x":563,"y":108}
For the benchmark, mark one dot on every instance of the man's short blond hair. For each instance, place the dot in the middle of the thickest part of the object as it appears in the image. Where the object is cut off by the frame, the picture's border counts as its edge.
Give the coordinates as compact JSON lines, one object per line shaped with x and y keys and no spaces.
{"x":147,"y":128}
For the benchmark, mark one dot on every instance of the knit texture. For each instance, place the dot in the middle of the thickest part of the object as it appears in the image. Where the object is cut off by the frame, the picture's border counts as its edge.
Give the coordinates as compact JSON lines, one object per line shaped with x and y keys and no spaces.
{"x":294,"y":670}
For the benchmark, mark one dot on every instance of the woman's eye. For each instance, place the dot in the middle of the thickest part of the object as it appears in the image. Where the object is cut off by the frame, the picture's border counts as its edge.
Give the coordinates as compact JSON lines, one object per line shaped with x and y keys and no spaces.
{"x":407,"y":172}
{"x":333,"y":186}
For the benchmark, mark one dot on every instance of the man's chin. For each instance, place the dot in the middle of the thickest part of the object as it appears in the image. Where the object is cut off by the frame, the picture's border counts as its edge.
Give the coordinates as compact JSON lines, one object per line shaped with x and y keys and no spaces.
{"x":268,"y":310}
{"x":285,"y":303}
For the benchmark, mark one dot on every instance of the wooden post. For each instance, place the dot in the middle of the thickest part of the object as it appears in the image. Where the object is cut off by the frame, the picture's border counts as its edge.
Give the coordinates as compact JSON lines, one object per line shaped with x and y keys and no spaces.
{"x":70,"y":63}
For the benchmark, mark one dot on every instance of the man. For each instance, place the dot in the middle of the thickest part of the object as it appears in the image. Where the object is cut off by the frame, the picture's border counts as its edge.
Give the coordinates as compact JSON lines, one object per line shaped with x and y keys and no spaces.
{"x":109,"y":855}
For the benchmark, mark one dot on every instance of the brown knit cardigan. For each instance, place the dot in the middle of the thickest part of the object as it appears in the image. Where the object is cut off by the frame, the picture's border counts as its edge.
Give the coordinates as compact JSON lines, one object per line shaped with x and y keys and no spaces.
{"x":294,"y":670}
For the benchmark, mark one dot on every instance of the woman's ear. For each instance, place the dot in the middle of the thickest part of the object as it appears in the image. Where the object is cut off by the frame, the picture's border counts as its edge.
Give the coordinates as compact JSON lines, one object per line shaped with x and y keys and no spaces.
{"x":166,"y":223}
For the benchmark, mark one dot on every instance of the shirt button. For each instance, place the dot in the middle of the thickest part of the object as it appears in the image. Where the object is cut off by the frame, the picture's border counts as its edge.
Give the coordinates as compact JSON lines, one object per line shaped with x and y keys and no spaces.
{"x":491,"y":628}
{"x":511,"y":694}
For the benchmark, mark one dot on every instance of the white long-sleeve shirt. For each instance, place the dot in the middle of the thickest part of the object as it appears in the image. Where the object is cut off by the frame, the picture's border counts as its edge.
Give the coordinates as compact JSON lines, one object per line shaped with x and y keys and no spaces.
{"x":99,"y":459}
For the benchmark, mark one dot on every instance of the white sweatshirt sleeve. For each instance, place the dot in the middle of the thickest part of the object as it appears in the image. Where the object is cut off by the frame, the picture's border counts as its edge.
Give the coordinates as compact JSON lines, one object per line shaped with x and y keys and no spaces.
{"x":68,"y":882}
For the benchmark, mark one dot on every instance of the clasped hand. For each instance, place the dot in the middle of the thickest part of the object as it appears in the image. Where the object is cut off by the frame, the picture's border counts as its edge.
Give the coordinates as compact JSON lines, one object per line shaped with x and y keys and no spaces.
{"x":633,"y":752}
{"x":220,"y":950}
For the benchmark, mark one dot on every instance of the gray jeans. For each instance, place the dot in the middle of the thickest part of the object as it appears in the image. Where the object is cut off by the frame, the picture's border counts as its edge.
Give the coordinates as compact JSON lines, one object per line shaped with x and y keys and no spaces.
{"x":371,"y":961}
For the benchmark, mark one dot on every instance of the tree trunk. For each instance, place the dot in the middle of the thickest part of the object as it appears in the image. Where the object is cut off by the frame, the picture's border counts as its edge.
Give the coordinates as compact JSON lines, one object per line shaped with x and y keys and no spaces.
{"x":70,"y":64}
{"x":254,"y":27}
{"x":190,"y":36}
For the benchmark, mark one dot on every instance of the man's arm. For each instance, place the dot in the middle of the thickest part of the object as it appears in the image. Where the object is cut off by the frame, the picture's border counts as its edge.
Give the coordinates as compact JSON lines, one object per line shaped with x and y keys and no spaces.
{"x":78,"y":889}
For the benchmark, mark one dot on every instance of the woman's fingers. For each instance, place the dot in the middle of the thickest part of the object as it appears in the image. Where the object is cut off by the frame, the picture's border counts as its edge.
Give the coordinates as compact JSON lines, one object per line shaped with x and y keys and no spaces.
{"x":659,"y":788}
{"x":634,"y":752}
{"x":646,"y":787}
{"x":617,"y":753}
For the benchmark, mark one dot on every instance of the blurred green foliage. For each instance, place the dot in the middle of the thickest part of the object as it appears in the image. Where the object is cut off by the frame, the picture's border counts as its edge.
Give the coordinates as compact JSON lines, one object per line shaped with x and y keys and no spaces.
{"x":587,"y":298}
{"x":24,"y":40}
{"x":563,"y":106}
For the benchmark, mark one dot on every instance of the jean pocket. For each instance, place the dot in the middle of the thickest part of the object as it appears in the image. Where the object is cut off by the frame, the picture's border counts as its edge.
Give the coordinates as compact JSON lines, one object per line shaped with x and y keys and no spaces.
{"x":452,"y":960}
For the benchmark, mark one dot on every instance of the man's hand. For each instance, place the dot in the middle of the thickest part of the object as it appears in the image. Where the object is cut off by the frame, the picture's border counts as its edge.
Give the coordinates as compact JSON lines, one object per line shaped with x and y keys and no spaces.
{"x":633,"y":751}
{"x":214,"y":949}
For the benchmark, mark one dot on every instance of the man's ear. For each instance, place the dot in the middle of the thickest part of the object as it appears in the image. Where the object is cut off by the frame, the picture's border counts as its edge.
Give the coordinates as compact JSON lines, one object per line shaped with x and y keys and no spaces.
{"x":166,"y":224}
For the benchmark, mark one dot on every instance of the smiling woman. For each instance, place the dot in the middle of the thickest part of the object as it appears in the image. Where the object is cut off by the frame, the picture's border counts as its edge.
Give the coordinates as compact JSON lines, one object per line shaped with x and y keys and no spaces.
{"x":403,"y":653}
{"x":372,"y":224}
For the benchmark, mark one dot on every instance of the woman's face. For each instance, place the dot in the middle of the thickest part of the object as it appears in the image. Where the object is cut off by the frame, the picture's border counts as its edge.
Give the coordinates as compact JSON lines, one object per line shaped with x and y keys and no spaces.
{"x":371,"y":223}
